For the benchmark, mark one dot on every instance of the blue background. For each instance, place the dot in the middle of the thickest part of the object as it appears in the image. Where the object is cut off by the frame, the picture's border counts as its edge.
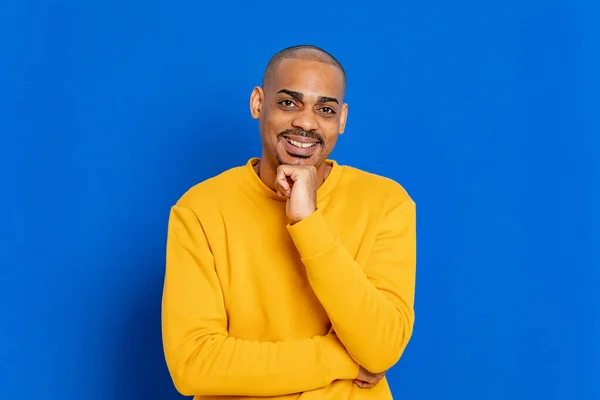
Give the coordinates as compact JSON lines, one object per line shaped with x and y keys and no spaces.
{"x":487,"y":112}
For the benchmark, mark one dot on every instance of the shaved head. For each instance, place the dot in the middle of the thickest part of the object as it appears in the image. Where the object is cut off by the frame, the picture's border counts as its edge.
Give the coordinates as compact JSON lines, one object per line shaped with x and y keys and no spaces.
{"x":301,"y":52}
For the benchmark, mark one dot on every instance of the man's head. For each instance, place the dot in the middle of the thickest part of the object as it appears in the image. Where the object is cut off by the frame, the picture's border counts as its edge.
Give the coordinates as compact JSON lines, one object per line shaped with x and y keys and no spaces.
{"x":300,"y":107}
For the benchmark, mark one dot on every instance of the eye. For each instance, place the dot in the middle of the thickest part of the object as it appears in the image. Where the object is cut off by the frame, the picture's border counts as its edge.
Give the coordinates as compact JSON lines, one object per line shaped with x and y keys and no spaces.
{"x":287,"y":103}
{"x":328,"y":110}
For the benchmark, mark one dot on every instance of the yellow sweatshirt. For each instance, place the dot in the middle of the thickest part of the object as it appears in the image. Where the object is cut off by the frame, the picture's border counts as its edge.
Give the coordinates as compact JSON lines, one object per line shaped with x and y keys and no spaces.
{"x":256,"y":307}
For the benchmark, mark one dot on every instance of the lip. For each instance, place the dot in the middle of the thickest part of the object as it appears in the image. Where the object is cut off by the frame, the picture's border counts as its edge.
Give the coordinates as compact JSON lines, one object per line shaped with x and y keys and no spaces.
{"x":301,"y":139}
{"x":304,"y":152}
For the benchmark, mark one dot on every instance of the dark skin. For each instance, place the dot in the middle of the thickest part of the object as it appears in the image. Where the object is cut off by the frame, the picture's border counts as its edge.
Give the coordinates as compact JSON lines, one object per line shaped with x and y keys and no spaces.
{"x":304,"y":95}
{"x":302,"y":102}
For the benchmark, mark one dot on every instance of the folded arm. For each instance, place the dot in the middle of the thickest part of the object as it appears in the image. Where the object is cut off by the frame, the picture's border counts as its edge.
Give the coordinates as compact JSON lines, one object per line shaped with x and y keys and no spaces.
{"x":370,"y":306}
{"x":203,"y":359}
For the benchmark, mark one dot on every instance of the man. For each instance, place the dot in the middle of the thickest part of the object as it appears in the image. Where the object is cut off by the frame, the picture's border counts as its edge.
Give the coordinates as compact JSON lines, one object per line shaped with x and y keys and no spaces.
{"x":291,"y":276}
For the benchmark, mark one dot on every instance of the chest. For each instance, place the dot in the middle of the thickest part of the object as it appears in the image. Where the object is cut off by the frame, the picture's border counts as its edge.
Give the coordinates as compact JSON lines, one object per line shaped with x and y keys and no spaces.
{"x":266,"y":290}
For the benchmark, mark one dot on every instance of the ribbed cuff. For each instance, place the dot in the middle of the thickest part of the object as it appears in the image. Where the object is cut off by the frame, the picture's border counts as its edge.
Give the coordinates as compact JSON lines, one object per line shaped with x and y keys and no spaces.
{"x":311,"y":235}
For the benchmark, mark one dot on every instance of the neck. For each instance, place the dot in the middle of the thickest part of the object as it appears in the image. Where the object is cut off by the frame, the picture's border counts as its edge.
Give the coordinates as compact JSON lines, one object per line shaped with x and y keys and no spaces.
{"x":268,"y":173}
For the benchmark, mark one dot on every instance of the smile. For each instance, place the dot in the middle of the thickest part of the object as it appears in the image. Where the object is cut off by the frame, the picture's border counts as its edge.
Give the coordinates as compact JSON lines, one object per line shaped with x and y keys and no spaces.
{"x":300,"y":144}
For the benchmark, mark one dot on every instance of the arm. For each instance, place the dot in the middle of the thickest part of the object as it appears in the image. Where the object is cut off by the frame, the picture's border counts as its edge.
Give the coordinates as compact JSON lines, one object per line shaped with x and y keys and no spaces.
{"x":203,"y":359}
{"x":371,"y":308}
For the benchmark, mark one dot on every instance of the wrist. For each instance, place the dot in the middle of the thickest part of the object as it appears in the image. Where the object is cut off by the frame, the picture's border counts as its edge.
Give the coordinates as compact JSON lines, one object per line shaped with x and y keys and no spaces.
{"x":302,"y":217}
{"x":312,"y":235}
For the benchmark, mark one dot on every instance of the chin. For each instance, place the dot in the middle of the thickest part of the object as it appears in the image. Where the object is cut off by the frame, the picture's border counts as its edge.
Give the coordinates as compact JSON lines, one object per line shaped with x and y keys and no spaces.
{"x":288,"y":159}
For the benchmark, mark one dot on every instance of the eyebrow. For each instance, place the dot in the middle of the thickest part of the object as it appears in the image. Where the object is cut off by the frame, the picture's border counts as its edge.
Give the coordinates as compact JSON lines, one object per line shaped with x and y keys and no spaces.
{"x":299,"y":96}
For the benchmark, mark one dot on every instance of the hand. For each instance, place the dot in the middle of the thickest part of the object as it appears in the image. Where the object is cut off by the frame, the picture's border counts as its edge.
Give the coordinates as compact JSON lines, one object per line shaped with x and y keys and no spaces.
{"x":366,"y":379}
{"x":299,"y":185}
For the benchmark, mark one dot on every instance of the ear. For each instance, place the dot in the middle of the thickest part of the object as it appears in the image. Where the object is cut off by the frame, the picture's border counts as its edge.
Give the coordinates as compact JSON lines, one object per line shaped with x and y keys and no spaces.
{"x":343,"y":118}
{"x":256,"y":100}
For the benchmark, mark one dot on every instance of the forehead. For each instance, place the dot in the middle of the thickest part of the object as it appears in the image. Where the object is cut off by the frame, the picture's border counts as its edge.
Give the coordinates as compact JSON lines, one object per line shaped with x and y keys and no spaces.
{"x":308,"y":77}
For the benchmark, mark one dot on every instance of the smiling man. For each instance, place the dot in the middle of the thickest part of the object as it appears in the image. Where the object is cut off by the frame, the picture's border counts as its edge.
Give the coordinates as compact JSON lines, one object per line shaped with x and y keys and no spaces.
{"x":291,"y":276}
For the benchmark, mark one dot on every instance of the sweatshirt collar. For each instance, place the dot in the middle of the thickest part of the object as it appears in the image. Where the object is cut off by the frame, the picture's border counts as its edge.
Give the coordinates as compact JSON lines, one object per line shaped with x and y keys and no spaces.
{"x":323,"y":191}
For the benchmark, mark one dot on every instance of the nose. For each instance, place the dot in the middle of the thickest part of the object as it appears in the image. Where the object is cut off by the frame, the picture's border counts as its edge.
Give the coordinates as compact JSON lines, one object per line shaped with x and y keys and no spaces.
{"x":306,"y":121}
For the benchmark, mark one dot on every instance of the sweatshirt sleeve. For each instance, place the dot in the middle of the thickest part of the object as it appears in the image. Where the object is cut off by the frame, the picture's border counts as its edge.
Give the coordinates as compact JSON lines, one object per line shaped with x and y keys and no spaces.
{"x":203,"y":359}
{"x":370,"y":306}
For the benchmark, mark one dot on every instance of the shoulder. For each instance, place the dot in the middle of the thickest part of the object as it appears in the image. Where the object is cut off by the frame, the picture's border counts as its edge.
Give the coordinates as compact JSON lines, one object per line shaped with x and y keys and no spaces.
{"x":376,"y":189}
{"x":212,"y":191}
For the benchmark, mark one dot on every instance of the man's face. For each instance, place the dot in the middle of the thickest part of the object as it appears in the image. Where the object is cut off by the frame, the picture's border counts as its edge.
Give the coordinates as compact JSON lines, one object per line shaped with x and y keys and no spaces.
{"x":301,"y":112}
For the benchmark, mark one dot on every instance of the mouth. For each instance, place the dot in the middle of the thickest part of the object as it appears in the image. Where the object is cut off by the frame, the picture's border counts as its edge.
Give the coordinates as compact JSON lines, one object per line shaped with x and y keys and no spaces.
{"x":300,"y":147}
{"x":300,"y":144}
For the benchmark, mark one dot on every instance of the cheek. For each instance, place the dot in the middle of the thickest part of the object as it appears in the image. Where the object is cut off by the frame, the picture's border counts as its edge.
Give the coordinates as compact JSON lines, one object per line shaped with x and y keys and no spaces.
{"x":274,"y":126}
{"x":266,"y":126}
{"x":331,"y":126}
{"x":331,"y":134}
{"x":331,"y":142}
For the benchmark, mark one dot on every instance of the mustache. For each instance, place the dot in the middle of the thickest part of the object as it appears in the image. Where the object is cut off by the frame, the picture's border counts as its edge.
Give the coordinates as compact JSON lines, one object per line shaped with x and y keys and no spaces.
{"x":302,"y":133}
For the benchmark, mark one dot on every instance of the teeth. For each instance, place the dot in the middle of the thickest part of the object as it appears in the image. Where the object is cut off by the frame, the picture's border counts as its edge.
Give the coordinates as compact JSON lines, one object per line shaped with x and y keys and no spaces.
{"x":300,"y":144}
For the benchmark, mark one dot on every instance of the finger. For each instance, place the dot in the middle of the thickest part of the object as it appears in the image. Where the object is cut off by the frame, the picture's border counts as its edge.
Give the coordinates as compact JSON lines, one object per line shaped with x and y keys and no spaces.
{"x":281,"y":191}
{"x":291,"y":174}
{"x":282,"y":182}
{"x":360,"y":384}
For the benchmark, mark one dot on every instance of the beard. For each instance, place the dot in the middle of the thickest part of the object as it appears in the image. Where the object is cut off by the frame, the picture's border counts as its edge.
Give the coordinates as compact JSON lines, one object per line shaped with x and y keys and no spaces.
{"x":298,"y":162}
{"x":297,"y":159}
